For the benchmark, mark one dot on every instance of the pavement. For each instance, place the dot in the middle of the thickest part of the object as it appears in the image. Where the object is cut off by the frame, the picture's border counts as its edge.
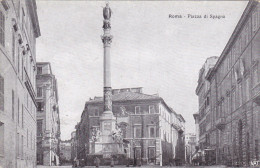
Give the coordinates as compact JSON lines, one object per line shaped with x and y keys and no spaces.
{"x":217,"y":166}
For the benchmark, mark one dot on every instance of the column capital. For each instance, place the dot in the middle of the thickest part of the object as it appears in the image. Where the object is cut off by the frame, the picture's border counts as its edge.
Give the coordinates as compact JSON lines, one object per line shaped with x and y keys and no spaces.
{"x":107,"y":40}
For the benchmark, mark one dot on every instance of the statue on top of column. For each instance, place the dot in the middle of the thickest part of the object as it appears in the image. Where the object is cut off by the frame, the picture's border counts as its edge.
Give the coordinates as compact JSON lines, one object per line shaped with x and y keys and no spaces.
{"x":107,"y":12}
{"x":107,"y":15}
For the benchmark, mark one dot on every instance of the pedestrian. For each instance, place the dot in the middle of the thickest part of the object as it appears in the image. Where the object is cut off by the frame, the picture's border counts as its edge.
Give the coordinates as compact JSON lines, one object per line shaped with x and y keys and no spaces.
{"x":112,"y":162}
{"x":97,"y":161}
{"x":77,"y":162}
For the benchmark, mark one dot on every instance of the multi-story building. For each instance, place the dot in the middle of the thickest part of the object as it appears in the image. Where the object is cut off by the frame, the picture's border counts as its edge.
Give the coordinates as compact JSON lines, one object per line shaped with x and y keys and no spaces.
{"x":229,"y":97}
{"x":48,"y":120}
{"x":202,"y":119}
{"x":153,"y":132}
{"x":73,"y":145}
{"x":190,"y":146}
{"x":197,"y":132}
{"x":65,"y":151}
{"x":19,"y":28}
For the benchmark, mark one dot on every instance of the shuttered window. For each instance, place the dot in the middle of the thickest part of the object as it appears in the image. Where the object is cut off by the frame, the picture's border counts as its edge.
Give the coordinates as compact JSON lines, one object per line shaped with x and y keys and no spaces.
{"x":2,"y":29}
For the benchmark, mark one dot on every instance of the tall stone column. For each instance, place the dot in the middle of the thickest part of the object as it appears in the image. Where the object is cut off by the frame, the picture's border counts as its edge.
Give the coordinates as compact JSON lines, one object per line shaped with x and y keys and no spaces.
{"x":106,"y":144}
{"x":107,"y":39}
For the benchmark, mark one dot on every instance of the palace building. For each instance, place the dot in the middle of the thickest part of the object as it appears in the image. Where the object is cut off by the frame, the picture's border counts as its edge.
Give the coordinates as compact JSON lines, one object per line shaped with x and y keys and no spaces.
{"x":229,"y":97}
{"x":19,"y":28}
{"x":152,"y":132}
{"x":48,"y":116}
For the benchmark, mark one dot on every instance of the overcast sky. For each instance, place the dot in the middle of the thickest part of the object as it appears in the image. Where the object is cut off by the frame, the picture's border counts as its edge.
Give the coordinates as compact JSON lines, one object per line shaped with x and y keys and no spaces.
{"x":150,"y":50}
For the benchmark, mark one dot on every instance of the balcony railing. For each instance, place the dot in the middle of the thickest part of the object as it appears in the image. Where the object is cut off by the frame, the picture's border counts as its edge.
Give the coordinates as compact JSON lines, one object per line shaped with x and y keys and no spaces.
{"x":29,"y":86}
{"x":256,"y":94}
{"x":220,"y":123}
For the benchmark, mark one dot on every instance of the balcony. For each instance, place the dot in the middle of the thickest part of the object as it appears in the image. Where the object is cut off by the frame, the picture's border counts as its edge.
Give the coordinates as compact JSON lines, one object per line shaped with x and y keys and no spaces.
{"x":29,"y":86}
{"x":179,"y":128}
{"x":256,"y":94}
{"x":220,"y":123}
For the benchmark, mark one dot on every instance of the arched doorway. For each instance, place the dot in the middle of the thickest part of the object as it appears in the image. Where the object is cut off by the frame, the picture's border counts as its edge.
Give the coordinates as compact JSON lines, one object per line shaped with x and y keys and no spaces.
{"x":240,"y":151}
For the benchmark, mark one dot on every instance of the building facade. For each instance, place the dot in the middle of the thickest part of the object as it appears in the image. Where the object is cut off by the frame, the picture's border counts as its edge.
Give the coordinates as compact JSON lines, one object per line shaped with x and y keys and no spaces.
{"x":19,"y":28}
{"x":152,"y":132}
{"x":65,"y":151}
{"x":48,"y":120}
{"x":229,"y":97}
{"x":190,"y":146}
{"x":73,"y":145}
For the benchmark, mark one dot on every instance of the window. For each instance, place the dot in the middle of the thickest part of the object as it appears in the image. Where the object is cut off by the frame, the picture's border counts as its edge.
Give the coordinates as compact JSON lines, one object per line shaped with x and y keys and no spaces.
{"x":23,"y":15}
{"x":246,"y":34}
{"x":247,"y":89}
{"x":18,"y":112}
{"x":13,"y":46}
{"x":137,"y":132}
{"x":151,"y":154}
{"x":13,"y":104}
{"x":137,"y":110}
{"x":39,"y":70}
{"x":152,"y":131}
{"x":2,"y":29}
{"x":2,"y":98}
{"x":17,"y":145}
{"x":207,"y":101}
{"x":39,"y":91}
{"x":138,"y":153}
{"x":151,"y":109}
{"x":240,"y":94}
{"x":22,"y":117}
{"x":39,"y":127}
{"x":96,"y":112}
{"x":257,"y":149}
{"x":27,"y":100}
{"x":31,"y":141}
{"x":228,"y":61}
{"x":255,"y":24}
{"x":233,"y":100}
{"x":22,"y":147}
{"x":255,"y":75}
{"x":228,"y":105}
{"x":18,"y":59}
{"x":40,"y":106}
{"x":27,"y":137}
{"x":23,"y":69}
{"x":1,"y":139}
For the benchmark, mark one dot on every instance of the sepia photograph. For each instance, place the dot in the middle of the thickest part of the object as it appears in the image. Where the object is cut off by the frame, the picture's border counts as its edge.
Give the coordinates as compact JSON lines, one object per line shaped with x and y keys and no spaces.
{"x":153,"y":83}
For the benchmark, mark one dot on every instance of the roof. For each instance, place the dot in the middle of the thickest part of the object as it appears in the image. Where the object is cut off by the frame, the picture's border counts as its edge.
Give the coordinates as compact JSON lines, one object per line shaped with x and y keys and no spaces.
{"x":126,"y":96}
{"x":134,"y":96}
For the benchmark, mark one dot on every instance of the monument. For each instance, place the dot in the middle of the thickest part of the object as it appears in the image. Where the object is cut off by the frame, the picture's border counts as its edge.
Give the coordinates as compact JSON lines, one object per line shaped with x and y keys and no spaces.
{"x":109,"y":141}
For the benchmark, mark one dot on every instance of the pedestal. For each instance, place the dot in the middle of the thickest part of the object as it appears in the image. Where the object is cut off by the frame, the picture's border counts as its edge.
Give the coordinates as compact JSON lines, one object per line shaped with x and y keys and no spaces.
{"x":106,"y":145}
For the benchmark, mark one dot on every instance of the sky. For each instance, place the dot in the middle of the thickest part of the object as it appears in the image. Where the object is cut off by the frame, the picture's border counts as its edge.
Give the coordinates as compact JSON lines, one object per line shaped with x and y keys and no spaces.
{"x":149,"y":49}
